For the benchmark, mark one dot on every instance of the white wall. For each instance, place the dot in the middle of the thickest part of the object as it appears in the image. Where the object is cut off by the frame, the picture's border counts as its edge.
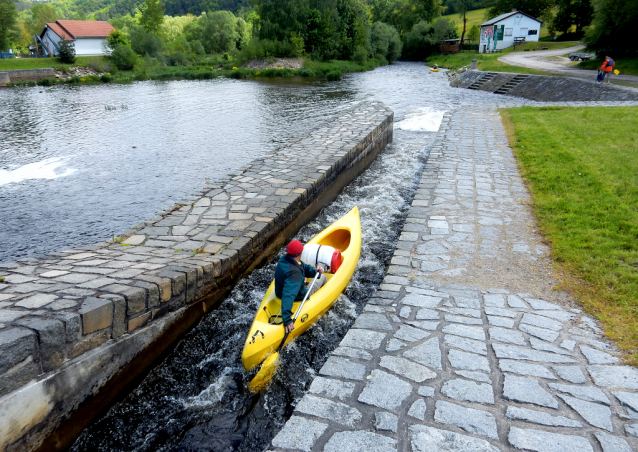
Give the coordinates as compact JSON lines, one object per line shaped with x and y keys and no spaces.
{"x":89,"y":46}
{"x":49,"y":39}
{"x":517,"y":25}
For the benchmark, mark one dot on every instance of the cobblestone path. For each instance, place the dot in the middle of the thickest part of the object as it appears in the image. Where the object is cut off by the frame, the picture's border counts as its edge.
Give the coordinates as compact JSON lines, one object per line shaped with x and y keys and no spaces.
{"x":465,"y":347}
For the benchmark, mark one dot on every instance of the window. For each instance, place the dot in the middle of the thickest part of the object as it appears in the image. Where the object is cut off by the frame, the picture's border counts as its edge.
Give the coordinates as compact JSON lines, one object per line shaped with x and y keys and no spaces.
{"x":523,"y":32}
{"x":532,"y":32}
{"x":508,"y":31}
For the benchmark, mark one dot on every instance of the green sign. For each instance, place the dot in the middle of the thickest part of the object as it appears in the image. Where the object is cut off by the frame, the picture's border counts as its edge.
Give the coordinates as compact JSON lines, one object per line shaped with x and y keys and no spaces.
{"x":499,"y":31}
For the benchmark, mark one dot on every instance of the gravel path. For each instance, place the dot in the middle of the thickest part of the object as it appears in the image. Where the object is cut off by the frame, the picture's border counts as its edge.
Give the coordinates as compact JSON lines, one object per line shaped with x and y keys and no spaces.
{"x":465,"y":346}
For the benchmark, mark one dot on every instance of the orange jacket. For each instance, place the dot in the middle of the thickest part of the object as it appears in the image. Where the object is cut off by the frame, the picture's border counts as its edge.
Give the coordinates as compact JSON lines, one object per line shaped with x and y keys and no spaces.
{"x":608,"y":66}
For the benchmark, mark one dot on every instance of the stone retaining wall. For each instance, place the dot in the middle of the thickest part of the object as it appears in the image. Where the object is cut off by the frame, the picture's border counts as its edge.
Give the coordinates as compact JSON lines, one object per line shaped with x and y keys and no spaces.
{"x":548,"y":89}
{"x":24,"y":75}
{"x":78,"y":326}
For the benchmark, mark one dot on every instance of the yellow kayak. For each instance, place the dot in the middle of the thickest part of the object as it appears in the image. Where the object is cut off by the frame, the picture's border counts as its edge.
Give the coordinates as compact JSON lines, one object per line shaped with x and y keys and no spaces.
{"x":434,"y":70}
{"x":267,"y":330}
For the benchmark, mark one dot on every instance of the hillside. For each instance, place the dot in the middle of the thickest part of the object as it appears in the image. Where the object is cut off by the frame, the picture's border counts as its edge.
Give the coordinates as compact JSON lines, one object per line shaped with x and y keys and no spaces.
{"x":477,"y":17}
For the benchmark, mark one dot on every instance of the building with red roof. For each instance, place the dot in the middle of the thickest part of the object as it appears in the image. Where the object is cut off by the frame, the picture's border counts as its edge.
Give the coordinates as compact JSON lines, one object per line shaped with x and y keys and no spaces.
{"x":88,"y":37}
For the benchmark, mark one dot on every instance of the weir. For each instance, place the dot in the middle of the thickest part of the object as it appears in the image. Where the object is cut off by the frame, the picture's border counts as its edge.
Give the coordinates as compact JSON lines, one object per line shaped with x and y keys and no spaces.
{"x":82,"y":325}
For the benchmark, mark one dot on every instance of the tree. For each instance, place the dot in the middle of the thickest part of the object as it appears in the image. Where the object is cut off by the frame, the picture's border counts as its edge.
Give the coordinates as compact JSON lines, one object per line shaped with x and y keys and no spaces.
{"x":41,"y":14}
{"x":535,"y":8}
{"x":66,"y":52}
{"x":614,"y":27}
{"x":404,"y":14}
{"x":573,"y":12}
{"x":217,"y":31}
{"x":281,"y":19}
{"x":116,"y":38}
{"x":8,"y":16}
{"x":123,"y":57}
{"x":474,"y":33}
{"x":424,"y":37}
{"x":385,"y":41}
{"x":152,"y":15}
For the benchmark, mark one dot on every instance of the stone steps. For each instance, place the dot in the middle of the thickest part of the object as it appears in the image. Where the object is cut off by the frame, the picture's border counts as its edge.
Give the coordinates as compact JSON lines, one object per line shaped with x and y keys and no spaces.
{"x":506,"y":88}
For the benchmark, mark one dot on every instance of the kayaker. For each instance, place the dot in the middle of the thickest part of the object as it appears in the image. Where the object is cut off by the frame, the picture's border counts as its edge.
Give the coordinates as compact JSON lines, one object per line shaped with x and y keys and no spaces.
{"x":290,"y":276}
{"x":607,"y":68}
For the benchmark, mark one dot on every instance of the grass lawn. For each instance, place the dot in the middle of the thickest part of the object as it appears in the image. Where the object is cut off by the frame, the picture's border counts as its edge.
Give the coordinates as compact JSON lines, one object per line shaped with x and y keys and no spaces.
{"x":489,"y":61}
{"x":581,"y":166}
{"x":9,"y":64}
{"x":624,"y":65}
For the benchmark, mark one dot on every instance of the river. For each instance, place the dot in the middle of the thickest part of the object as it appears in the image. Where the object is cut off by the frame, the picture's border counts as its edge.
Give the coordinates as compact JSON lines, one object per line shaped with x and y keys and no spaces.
{"x":197,"y":400}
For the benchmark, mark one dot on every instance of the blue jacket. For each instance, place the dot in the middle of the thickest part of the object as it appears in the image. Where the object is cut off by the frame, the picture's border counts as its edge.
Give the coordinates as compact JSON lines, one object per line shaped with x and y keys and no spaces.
{"x":289,"y":284}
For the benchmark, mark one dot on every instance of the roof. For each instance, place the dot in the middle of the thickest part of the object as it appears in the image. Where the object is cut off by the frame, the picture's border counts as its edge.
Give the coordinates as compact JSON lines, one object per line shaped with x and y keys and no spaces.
{"x":505,"y":16}
{"x":74,"y":29}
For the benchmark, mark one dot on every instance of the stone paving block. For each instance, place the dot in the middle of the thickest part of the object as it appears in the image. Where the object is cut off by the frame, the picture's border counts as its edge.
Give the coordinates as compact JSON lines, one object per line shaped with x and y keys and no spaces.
{"x":328,"y":387}
{"x":394,"y":345}
{"x":619,"y":376}
{"x":507,"y":336}
{"x":540,"y":417}
{"x":135,"y":297}
{"x":386,"y":421}
{"x":478,"y":376}
{"x":96,"y":314}
{"x":51,"y":340}
{"x":573,"y":374}
{"x":372,"y":322}
{"x":495,"y":301}
{"x":533,"y":370}
{"x":561,"y":316}
{"x":468,"y":391}
{"x":425,"y":314}
{"x":299,"y":433}
{"x":360,"y":441}
{"x":516,"y":302}
{"x":542,"y":322}
{"x":428,"y":353}
{"x":352,"y":353}
{"x":543,"y":345}
{"x":541,"y":441}
{"x":36,"y":301}
{"x":328,"y":409}
{"x":410,"y":334}
{"x":522,"y":353}
{"x":597,"y":357}
{"x":418,"y":409}
{"x":471,"y":332}
{"x":421,"y":301}
{"x":632,"y":430}
{"x":9,"y":315}
{"x":429,"y":439}
{"x":424,"y":324}
{"x":526,"y":390}
{"x":588,"y":393}
{"x":594,"y":413}
{"x":468,"y":361}
{"x":407,"y":369}
{"x":473,"y":421}
{"x":610,"y":443}
{"x":363,"y":339}
{"x":72,"y":324}
{"x":385,"y":391}
{"x":464,"y":320}
{"x":542,"y":304}
{"x":464,"y":343}
{"x":500,"y":321}
{"x":16,"y":345}
{"x":343,"y":368}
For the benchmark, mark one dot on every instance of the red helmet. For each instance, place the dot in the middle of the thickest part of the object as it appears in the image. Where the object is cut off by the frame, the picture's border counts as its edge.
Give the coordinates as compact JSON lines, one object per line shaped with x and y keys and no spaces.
{"x":295,"y":247}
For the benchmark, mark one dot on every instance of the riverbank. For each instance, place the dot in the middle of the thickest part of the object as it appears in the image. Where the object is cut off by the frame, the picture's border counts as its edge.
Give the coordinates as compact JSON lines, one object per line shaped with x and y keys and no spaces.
{"x":99,"y":70}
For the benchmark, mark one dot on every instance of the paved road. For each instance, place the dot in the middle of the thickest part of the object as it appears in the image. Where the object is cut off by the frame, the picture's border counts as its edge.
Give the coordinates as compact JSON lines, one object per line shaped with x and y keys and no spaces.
{"x":545,"y":60}
{"x":465,"y":347}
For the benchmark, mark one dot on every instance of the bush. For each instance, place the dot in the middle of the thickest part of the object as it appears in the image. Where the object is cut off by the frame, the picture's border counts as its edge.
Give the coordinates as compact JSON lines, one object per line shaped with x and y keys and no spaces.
{"x":46,"y":82}
{"x":334,"y":75}
{"x":66,"y":52}
{"x":75,"y":80}
{"x":106,"y":78}
{"x":146,"y":43}
{"x":124,"y":58}
{"x":177,"y":59}
{"x":384,"y":40}
{"x":100,"y":64}
{"x":197,"y":47}
{"x":360,"y":55}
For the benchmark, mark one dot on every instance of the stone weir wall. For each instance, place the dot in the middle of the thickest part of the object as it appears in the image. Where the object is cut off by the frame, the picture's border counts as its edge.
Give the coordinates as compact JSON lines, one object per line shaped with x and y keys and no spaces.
{"x":23,"y":75}
{"x":542,"y":87}
{"x":80,"y":326}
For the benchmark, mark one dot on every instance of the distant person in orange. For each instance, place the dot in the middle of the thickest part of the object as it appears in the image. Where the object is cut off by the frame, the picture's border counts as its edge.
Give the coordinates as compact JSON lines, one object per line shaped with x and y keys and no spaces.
{"x":607,"y":68}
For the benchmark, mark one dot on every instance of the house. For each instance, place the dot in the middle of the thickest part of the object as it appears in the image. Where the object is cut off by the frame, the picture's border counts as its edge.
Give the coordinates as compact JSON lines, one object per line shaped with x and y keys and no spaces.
{"x":88,"y":37}
{"x":508,"y":29}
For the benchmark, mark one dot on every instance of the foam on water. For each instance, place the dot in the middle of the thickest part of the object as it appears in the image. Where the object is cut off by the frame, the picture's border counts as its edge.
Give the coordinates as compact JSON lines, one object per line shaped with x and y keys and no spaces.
{"x":45,"y":169}
{"x":424,"y":119}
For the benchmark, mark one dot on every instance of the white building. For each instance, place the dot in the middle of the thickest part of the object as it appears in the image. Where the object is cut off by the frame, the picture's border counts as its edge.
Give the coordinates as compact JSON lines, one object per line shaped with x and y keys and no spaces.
{"x":88,"y":37}
{"x":507,"y":29}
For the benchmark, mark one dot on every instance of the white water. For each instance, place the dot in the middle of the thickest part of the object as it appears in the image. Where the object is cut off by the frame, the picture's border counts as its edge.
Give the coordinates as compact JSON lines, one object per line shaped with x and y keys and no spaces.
{"x":424,"y":119}
{"x":45,"y":169}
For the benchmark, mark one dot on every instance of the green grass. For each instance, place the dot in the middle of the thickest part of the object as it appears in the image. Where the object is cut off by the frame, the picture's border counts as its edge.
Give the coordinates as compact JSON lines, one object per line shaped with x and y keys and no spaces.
{"x":489,"y":61}
{"x":9,"y":64}
{"x":581,"y":167}
{"x":477,"y":17}
{"x":624,"y":65}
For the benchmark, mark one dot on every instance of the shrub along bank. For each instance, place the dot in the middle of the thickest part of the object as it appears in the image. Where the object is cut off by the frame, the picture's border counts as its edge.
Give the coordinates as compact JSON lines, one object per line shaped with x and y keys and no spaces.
{"x":581,"y":168}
